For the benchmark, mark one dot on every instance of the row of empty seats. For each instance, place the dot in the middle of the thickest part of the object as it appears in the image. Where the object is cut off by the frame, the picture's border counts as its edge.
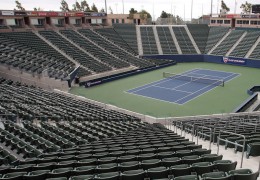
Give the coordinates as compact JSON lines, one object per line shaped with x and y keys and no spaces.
{"x":249,"y":128}
{"x":24,"y":50}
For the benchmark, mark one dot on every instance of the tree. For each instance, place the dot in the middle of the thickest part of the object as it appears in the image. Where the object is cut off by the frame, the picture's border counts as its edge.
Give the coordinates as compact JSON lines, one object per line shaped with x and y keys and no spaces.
{"x":76,"y":6}
{"x":164,"y":14}
{"x":144,"y":14}
{"x":19,"y":6}
{"x":84,"y":6}
{"x":110,"y":10}
{"x":224,"y":6}
{"x":131,"y":13}
{"x":64,"y":6}
{"x":94,"y":8}
{"x":102,"y":10}
{"x":37,"y":9}
{"x":246,"y":8}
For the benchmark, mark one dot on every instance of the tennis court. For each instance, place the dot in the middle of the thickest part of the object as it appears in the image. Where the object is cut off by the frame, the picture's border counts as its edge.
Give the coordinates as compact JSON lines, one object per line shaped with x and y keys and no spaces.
{"x":179,"y":90}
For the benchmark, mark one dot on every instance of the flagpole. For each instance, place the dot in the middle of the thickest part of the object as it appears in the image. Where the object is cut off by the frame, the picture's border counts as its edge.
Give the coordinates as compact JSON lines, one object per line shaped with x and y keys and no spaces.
{"x":106,"y":5}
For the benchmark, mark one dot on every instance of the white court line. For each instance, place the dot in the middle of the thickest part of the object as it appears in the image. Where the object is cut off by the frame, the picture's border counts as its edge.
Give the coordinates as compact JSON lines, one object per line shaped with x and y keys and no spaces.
{"x":172,"y":102}
{"x":171,"y":89}
{"x":218,"y":71}
{"x":148,"y":86}
{"x":202,"y":93}
{"x":151,"y":84}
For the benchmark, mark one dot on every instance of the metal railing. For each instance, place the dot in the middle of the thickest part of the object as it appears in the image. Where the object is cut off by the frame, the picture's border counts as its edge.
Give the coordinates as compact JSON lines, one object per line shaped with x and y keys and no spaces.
{"x":191,"y":130}
{"x":204,"y":134}
{"x":234,"y":143}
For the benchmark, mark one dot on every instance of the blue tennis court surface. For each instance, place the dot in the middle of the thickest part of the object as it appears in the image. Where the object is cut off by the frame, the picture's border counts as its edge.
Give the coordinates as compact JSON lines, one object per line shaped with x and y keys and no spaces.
{"x":181,"y":91}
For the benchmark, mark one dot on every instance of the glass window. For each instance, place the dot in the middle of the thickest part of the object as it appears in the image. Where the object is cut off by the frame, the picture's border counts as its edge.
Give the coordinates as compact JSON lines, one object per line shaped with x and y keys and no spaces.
{"x":219,"y":21}
{"x":123,"y":21}
{"x":246,"y":22}
{"x":226,"y":21}
{"x":113,"y":21}
{"x":117,"y":21}
{"x":213,"y":21}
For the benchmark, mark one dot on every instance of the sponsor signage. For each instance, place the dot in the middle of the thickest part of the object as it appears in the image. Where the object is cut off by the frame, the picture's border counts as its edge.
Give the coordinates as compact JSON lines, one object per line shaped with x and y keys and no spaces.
{"x":92,"y":83}
{"x":228,"y":60}
{"x":42,"y":13}
{"x":8,"y":13}
{"x":18,"y":13}
{"x":250,"y":16}
{"x":80,"y":14}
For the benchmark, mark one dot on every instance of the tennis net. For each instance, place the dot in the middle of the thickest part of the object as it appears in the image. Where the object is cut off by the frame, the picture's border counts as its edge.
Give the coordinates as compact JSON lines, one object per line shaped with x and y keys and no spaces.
{"x":216,"y":82}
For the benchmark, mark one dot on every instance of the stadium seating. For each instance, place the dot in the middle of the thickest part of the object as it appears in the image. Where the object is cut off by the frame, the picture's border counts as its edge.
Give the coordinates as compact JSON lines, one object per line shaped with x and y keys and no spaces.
{"x":113,"y":36}
{"x":244,"y":46}
{"x":130,"y":58}
{"x":128,"y":33}
{"x":94,"y":50}
{"x":148,"y":40}
{"x":184,"y":40}
{"x":256,"y":53}
{"x":28,"y":52}
{"x":229,"y":41}
{"x":78,"y":55}
{"x":236,"y":125}
{"x":199,"y":33}
{"x":166,"y":40}
{"x":215,"y":34}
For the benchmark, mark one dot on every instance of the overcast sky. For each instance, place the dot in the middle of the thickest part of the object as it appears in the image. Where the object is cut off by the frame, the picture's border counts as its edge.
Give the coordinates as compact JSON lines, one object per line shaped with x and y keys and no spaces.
{"x":152,"y":6}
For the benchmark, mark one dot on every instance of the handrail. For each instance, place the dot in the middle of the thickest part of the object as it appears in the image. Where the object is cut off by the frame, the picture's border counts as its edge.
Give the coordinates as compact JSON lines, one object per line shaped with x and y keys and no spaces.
{"x":234,"y":143}
{"x":191,"y":131}
{"x":210,"y":135}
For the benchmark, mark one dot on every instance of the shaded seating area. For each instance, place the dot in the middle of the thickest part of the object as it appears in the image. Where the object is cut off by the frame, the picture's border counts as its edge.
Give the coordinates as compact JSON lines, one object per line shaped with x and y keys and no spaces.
{"x":183,"y":40}
{"x":229,"y":41}
{"x":166,"y":40}
{"x":26,"y":51}
{"x":119,"y":53}
{"x":72,"y":51}
{"x":113,"y":36}
{"x":128,"y":33}
{"x":148,"y":40}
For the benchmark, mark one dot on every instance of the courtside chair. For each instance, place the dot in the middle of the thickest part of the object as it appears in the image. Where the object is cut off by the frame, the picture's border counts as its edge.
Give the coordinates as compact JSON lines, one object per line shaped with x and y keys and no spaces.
{"x":87,"y":162}
{"x":244,"y":174}
{"x":13,"y":176}
{"x":150,"y":163}
{"x":165,"y":154}
{"x":138,"y":174}
{"x":127,"y":158}
{"x":129,"y":165}
{"x":168,"y":162}
{"x":158,"y":172}
{"x":58,"y":178}
{"x":225,"y":165}
{"x":107,"y":160}
{"x":61,"y":172}
{"x":191,"y":159}
{"x":105,"y":168}
{"x":187,"y":177}
{"x":82,"y":177}
{"x":107,"y":176}
{"x":37,"y":175}
{"x":216,"y":176}
{"x":211,"y":157}
{"x":82,"y":170}
{"x":202,"y":167}
{"x":180,"y":170}
{"x":201,"y":151}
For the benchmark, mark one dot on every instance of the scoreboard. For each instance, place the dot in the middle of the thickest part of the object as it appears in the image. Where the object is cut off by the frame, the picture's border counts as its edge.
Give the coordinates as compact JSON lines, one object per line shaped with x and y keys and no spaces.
{"x":256,"y":8}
